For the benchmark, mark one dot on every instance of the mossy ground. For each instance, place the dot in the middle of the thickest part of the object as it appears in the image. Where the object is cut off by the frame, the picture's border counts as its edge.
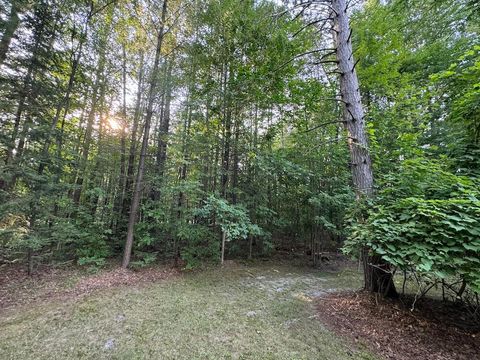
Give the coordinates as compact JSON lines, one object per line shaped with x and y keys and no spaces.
{"x":254,"y":311}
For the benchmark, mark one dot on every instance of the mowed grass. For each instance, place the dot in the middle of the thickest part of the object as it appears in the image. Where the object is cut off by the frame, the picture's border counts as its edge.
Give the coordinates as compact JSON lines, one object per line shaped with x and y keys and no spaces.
{"x":257,"y":311}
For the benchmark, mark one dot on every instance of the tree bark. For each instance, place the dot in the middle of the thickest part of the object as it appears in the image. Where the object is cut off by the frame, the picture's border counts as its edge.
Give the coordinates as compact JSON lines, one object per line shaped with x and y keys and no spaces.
{"x":44,"y":35}
{"x":143,"y":152}
{"x":354,"y":117}
{"x":165,"y":123}
{"x":88,"y":132}
{"x":64,"y":105}
{"x":10,"y":28}
{"x":99,"y":85}
{"x":378,"y":277}
{"x":163,"y":129}
{"x":133,"y":140}
{"x":227,"y":130}
{"x":235,"y":159}
{"x":121,"y":179}
{"x":222,"y":250}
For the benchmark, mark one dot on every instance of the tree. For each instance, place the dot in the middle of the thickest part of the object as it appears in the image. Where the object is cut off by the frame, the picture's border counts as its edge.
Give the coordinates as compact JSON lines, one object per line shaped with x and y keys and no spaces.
{"x":10,"y":27}
{"x":377,"y":275}
{"x":143,"y":151}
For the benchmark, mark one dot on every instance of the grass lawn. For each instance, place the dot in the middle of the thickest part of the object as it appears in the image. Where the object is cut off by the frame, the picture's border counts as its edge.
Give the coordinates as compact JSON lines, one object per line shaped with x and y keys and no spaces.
{"x":256,"y":311}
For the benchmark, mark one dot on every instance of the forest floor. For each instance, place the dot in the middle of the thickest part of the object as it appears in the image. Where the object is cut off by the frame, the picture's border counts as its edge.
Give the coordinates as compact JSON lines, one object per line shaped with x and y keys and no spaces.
{"x":433,"y":330}
{"x":245,"y":310}
{"x":261,"y":310}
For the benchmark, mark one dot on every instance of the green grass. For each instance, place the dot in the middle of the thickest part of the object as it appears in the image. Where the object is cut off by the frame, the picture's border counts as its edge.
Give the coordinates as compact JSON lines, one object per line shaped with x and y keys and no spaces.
{"x":260,"y":311}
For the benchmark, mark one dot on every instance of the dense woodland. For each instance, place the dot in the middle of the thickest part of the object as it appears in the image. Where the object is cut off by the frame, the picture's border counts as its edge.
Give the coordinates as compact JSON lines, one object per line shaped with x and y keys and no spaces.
{"x":198,"y":131}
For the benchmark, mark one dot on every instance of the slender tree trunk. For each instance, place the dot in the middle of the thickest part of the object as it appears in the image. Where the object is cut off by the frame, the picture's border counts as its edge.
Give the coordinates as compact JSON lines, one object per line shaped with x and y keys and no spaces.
{"x":250,"y":246}
{"x":235,"y":159}
{"x":133,"y":141}
{"x":98,"y":86}
{"x":163,"y":130}
{"x":88,"y":131}
{"x":10,"y":28}
{"x":122,"y":180}
{"x":25,"y":92}
{"x":28,"y":94}
{"x":222,"y":251}
{"x":182,"y":171}
{"x":215,"y":164}
{"x":252,"y":176}
{"x":143,"y":152}
{"x":97,"y":176}
{"x":64,"y":104}
{"x":227,"y":119}
{"x":165,"y":123}
{"x":377,"y":275}
{"x":207,"y":159}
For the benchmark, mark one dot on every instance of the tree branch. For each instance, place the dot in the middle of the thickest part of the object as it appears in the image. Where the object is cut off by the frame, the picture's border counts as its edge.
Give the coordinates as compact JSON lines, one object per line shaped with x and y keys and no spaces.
{"x":310,"y":24}
{"x":323,"y":124}
{"x":332,"y":51}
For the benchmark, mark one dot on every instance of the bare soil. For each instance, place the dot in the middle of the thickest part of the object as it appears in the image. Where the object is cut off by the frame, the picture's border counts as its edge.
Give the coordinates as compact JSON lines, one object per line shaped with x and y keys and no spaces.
{"x":432,"y":331}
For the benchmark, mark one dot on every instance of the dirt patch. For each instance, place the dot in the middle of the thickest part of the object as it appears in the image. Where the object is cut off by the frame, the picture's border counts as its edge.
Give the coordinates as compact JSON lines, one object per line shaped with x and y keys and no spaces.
{"x":17,"y":288}
{"x":326,"y":261}
{"x":285,"y":284}
{"x":122,"y":277}
{"x":433,"y":331}
{"x":334,"y":262}
{"x":231,"y":264}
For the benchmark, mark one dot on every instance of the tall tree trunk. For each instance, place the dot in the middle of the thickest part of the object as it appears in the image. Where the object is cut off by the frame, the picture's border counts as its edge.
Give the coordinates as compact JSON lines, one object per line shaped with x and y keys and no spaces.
{"x":143,"y":152}
{"x":97,"y":177}
{"x":207,"y":158}
{"x":99,"y":85}
{"x":235,"y":159}
{"x":227,"y":134}
{"x":133,"y":141}
{"x":64,"y":105}
{"x":252,"y":168}
{"x":10,"y":28}
{"x":163,"y":129}
{"x":377,"y":275}
{"x":122,"y":180}
{"x":24,"y":94}
{"x":165,"y":122}
{"x":30,"y":89}
{"x":89,"y":129}
{"x":182,"y":171}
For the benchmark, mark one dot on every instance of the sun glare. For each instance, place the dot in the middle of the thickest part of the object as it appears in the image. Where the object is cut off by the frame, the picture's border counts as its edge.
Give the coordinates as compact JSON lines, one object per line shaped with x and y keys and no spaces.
{"x":114,"y":124}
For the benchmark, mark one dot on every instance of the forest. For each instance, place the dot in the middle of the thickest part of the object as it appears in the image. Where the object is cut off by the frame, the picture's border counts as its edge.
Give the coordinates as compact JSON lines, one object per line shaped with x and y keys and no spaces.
{"x":214,"y":136}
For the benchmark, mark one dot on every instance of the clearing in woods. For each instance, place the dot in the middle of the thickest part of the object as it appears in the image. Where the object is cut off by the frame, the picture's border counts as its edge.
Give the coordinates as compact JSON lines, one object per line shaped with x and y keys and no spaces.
{"x":254,"y":311}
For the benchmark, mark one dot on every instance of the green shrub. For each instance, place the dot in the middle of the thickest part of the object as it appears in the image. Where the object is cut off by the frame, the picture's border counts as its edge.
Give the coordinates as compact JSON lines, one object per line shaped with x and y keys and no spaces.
{"x":426,"y":220}
{"x":199,"y":244}
{"x":143,"y":259}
